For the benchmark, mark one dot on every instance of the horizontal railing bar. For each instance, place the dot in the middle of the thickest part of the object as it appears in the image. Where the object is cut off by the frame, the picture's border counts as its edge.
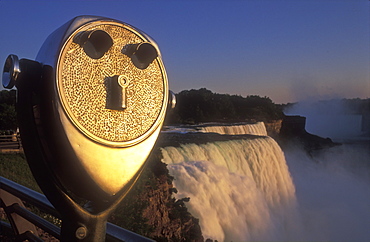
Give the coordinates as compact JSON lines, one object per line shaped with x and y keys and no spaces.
{"x":6,"y":226}
{"x":114,"y":232}
{"x":36,"y":220}
{"x":7,"y":229}
{"x":13,"y":143}
{"x":29,"y":236}
{"x":14,"y":138}
{"x":37,"y":199}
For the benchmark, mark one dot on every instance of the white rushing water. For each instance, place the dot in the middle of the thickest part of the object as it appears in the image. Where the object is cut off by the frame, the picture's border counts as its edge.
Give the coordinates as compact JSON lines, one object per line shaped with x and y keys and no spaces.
{"x":254,"y":129}
{"x":249,"y":190}
{"x":257,"y":128}
{"x":241,"y":190}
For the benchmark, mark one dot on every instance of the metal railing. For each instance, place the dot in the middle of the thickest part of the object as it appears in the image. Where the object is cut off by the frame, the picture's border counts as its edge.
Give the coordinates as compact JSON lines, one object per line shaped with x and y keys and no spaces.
{"x":21,"y":193}
{"x":12,"y":141}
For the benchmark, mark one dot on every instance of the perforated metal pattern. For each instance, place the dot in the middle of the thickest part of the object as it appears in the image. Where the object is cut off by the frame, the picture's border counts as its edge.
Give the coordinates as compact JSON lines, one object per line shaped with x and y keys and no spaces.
{"x":83,"y":90}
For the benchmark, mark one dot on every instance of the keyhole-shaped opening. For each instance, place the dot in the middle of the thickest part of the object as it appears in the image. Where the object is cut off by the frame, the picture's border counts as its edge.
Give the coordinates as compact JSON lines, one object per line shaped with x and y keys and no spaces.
{"x":122,"y":81}
{"x":116,"y":92}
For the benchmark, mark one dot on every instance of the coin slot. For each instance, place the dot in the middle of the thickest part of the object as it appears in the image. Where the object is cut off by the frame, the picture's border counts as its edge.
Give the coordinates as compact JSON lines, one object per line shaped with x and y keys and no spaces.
{"x":116,"y":92}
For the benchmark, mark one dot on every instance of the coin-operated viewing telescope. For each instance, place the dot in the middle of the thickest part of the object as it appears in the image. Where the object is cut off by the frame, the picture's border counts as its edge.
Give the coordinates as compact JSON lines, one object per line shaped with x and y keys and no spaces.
{"x":90,"y":108}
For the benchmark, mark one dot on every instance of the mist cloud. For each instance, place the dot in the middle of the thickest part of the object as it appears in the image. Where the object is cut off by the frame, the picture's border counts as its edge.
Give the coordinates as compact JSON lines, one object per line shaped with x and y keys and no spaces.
{"x":331,"y":119}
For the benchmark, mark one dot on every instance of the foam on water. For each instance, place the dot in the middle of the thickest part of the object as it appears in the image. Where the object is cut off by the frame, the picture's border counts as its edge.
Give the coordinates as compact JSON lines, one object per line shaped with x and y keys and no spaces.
{"x":240,"y":128}
{"x":249,"y":190}
{"x":240,"y":189}
{"x":253,"y":129}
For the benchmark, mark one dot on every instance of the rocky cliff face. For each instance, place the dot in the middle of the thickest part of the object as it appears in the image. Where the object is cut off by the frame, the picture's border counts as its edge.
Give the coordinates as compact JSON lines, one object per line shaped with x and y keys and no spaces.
{"x":151,"y":210}
{"x":273,"y":127}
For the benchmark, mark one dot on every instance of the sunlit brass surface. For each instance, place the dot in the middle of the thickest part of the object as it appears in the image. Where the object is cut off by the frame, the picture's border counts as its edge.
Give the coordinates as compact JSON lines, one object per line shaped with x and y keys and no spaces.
{"x":110,"y":104}
{"x":89,"y":109}
{"x":111,"y":168}
{"x":83,"y":90}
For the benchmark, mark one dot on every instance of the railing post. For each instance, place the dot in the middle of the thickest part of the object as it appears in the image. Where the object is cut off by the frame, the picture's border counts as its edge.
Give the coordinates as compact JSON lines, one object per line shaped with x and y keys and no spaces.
{"x":19,"y":224}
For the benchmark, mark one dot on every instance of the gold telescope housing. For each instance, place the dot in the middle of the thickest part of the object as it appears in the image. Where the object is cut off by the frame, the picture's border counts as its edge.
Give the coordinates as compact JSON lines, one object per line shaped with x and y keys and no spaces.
{"x":100,"y":104}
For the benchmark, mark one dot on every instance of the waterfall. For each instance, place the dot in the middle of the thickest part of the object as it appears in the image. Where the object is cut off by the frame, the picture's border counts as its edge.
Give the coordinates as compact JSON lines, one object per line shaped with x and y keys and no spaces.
{"x":254,"y":129}
{"x":258,"y":128}
{"x":239,"y":189}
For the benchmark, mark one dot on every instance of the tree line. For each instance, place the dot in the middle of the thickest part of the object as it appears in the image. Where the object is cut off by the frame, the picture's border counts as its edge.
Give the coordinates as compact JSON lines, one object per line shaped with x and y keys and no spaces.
{"x":196,"y":106}
{"x":8,"y":115}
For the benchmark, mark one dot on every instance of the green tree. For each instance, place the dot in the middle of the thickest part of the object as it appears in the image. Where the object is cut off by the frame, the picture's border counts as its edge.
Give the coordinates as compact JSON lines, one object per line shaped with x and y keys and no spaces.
{"x":8,"y":115}
{"x":194,"y":106}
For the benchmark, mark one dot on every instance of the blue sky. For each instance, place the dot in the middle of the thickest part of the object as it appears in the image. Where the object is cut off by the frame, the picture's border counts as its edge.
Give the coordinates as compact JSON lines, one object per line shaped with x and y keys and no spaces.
{"x":284,"y":49}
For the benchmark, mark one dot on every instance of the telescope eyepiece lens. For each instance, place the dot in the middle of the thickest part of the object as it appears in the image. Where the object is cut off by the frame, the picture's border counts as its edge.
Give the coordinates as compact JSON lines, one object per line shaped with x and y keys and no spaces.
{"x":11,"y":71}
{"x":144,"y":55}
{"x":95,"y":43}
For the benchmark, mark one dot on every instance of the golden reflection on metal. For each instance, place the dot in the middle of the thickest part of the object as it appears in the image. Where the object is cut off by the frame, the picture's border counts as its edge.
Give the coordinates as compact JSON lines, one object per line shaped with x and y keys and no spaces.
{"x":123,"y":83}
{"x":110,"y":107}
{"x":84,"y":93}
